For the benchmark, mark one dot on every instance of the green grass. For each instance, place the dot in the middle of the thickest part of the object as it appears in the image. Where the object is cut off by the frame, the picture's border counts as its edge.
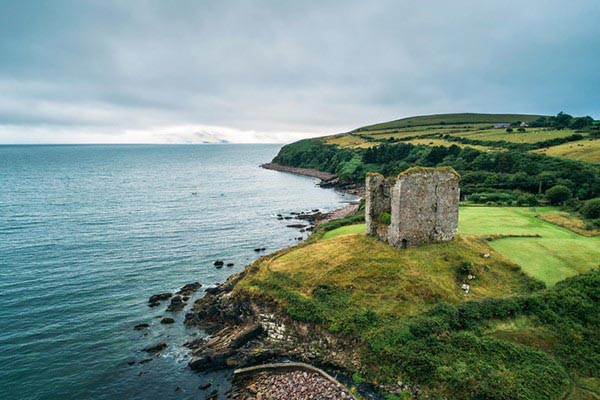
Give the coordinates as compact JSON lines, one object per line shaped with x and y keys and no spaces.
{"x":345,"y":230}
{"x":464,"y":118}
{"x":556,"y":255}
{"x":531,"y":135}
{"x":583,"y":150}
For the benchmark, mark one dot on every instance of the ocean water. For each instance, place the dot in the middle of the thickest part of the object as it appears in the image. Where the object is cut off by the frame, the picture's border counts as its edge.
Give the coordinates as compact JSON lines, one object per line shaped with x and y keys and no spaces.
{"x":88,"y":233}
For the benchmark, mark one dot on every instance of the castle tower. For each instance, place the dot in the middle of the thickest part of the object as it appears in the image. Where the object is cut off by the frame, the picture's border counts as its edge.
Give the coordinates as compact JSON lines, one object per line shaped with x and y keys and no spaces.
{"x":422,"y":203}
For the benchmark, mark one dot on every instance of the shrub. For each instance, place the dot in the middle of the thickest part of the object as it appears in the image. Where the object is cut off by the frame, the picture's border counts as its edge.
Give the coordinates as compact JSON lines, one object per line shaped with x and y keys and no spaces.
{"x":591,"y":209}
{"x":509,"y":130}
{"x":385,"y":218}
{"x":558,"y":194}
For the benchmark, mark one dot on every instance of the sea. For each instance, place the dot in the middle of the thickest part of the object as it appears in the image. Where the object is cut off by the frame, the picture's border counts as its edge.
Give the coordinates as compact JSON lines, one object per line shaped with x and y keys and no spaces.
{"x":89,"y":232}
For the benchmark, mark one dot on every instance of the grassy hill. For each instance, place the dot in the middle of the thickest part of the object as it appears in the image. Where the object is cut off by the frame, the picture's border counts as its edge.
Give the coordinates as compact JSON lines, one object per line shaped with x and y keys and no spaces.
{"x":449,"y":119}
{"x":410,"y":319}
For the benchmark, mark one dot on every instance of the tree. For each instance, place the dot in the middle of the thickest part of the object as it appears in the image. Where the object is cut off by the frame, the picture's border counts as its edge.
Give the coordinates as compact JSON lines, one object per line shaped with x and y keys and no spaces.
{"x":562,"y":120}
{"x":581,"y":122}
{"x":509,"y":130}
{"x":558,"y":194}
{"x":591,"y":209}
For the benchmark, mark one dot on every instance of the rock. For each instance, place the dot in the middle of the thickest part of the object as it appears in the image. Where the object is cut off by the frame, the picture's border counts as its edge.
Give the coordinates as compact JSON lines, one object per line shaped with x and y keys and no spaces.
{"x":218,"y":263}
{"x":185,"y":298}
{"x":177,"y":304}
{"x":205,"y":386}
{"x":154,"y":304}
{"x":178,"y":389}
{"x":263,"y":248}
{"x":190,"y":288}
{"x":131,"y":362}
{"x":214,"y":395}
{"x":139,"y":327}
{"x":209,"y":361}
{"x":257,"y":249}
{"x":145,"y":361}
{"x":297,"y":226}
{"x":167,"y":320}
{"x":155,"y":298}
{"x":230,"y":264}
{"x":156,"y":348}
{"x":246,"y":335}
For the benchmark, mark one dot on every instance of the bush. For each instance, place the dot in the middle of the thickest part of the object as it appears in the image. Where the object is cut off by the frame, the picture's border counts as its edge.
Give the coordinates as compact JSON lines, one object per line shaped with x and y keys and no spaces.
{"x":509,"y":130}
{"x":591,"y":209}
{"x":385,"y":218}
{"x":558,"y":194}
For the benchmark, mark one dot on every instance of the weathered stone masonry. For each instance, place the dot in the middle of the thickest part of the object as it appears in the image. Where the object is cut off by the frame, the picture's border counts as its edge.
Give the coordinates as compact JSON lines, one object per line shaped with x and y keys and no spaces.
{"x":422,"y":202}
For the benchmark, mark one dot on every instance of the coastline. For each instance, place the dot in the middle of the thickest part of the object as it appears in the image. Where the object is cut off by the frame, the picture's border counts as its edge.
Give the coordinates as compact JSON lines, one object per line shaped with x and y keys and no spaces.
{"x":314,"y":173}
{"x":244,"y":334}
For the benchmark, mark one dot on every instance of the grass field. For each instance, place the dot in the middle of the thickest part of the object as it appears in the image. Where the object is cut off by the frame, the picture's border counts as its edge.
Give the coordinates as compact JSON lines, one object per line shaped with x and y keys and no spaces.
{"x":345,"y":230}
{"x":447,"y":143}
{"x":556,"y":255}
{"x":464,"y":118}
{"x":583,"y":150}
{"x":529,"y":136}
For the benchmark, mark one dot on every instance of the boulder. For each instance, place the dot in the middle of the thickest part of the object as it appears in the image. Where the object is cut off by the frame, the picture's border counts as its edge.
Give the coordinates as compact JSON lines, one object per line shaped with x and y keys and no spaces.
{"x":218,"y":263}
{"x":190,"y":288}
{"x":177,"y":304}
{"x":139,"y":327}
{"x":246,"y":335}
{"x":156,"y":348}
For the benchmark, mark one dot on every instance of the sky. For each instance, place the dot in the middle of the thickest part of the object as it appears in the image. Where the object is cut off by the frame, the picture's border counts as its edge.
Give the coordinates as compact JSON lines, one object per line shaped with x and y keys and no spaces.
{"x":177,"y":71}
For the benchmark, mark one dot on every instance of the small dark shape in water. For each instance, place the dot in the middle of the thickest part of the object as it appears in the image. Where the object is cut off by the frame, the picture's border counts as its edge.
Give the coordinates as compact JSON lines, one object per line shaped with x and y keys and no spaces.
{"x":257,"y":249}
{"x":287,"y":217}
{"x":214,"y":395}
{"x":263,"y":249}
{"x":315,"y":210}
{"x":167,"y":320}
{"x":218,"y":263}
{"x":186,"y":298}
{"x":230,"y":264}
{"x":177,"y":304}
{"x":155,"y":298}
{"x":299,"y":238}
{"x":145,"y":361}
{"x":155,"y":304}
{"x":178,"y":389}
{"x":204,"y":386}
{"x":130,"y":362}
{"x":139,"y":327}
{"x":156,"y":348}
{"x":189,"y":288}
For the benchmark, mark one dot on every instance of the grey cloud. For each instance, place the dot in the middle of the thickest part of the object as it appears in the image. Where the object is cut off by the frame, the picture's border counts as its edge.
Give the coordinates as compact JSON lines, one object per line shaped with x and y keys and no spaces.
{"x":274,"y":71}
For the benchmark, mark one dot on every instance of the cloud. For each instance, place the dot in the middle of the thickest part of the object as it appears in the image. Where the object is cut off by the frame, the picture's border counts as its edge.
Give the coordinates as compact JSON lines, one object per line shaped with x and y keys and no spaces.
{"x":242,"y":71}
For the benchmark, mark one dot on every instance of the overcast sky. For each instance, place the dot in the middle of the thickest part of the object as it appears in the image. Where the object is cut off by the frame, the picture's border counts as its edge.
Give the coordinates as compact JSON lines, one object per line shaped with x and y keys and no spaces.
{"x":275,"y":71}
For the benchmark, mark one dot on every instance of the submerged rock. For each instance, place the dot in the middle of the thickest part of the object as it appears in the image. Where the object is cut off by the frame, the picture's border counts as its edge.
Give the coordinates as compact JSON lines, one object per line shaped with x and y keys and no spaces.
{"x":177,"y":304}
{"x":230,"y":264}
{"x":190,"y":288}
{"x":167,"y":320}
{"x":155,"y":298}
{"x":156,"y":348}
{"x":218,"y":263}
{"x":139,"y":327}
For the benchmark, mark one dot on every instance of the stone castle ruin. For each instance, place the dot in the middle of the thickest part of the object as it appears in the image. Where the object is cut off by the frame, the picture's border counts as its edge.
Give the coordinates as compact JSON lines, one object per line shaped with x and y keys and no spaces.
{"x":419,"y":206}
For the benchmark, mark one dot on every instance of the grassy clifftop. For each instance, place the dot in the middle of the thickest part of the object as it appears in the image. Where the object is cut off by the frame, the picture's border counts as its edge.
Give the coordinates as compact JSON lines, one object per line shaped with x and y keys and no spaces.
{"x":406,"y":311}
{"x":450,"y":119}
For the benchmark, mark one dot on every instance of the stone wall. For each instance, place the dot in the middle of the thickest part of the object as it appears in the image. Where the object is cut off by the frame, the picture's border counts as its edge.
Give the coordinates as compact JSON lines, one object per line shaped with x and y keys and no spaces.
{"x":423,"y":203}
{"x":378,"y":200}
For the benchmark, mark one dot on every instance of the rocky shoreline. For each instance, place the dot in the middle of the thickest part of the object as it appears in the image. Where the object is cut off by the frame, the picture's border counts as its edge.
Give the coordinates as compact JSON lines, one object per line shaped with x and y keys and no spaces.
{"x":314,"y":173}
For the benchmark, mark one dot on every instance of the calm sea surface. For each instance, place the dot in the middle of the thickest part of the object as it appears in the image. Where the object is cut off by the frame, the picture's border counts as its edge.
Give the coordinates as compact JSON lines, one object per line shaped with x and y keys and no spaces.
{"x":88,"y":233}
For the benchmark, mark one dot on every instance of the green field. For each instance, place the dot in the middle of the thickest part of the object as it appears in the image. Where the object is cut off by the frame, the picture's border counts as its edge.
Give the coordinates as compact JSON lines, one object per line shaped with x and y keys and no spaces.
{"x":345,"y":230}
{"x":464,"y":118}
{"x":557,"y":254}
{"x":531,"y":135}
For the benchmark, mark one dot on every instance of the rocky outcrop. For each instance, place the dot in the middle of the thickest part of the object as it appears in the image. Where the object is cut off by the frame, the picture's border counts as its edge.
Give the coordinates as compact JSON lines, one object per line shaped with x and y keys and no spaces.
{"x":419,"y":206}
{"x":324,"y":176}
